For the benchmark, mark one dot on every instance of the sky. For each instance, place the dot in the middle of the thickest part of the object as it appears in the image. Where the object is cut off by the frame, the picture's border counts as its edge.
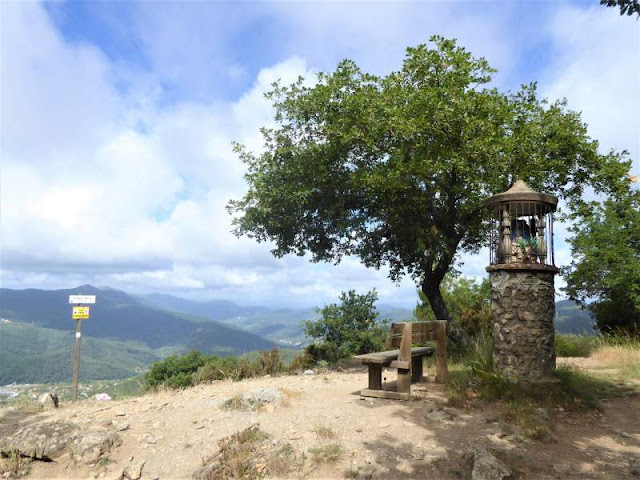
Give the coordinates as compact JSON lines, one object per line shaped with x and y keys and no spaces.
{"x":117,"y":121}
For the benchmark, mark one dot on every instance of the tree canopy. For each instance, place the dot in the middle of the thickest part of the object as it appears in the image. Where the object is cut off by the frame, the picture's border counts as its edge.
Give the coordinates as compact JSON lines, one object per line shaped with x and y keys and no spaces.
{"x":394,"y":169}
{"x":346,"y":329}
{"x":468,"y":302}
{"x":627,"y":7}
{"x":605,"y":271}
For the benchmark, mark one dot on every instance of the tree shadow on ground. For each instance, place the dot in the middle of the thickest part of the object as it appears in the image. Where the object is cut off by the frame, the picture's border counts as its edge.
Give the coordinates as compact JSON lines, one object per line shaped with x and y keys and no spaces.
{"x":600,"y":440}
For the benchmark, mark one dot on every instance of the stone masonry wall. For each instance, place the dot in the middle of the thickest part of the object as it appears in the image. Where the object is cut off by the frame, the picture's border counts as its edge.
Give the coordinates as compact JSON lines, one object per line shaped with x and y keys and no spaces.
{"x":523,"y":309}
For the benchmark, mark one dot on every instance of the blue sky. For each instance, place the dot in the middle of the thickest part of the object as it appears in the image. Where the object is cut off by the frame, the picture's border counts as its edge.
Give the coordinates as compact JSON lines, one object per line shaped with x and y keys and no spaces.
{"x":117,"y":120}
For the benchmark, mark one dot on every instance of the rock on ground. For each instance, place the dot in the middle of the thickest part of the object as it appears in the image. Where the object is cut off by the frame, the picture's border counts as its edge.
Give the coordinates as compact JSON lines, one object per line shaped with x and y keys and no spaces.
{"x":438,"y":415}
{"x":133,"y":472}
{"x":51,"y":440}
{"x":49,"y":400}
{"x":488,"y":467}
{"x":40,"y":441}
{"x":91,"y":446}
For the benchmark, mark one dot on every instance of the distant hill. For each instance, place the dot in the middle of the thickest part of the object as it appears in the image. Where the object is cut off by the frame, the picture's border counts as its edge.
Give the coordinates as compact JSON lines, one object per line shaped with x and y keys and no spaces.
{"x":126,"y":333}
{"x":571,"y":318}
{"x":218,"y":310}
{"x":282,"y":325}
{"x":33,"y":354}
{"x":122,"y":334}
{"x":119,"y":315}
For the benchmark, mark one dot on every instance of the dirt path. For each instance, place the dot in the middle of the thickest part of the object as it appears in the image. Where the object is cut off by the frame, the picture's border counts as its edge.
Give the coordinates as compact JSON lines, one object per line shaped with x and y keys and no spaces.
{"x":174,"y":431}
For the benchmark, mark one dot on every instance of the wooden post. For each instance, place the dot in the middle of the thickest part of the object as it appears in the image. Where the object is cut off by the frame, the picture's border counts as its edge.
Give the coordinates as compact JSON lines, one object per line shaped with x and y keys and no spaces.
{"x":404,"y":374}
{"x":442,"y":373}
{"x":76,"y":359}
{"x":416,"y":369}
{"x":375,"y":376}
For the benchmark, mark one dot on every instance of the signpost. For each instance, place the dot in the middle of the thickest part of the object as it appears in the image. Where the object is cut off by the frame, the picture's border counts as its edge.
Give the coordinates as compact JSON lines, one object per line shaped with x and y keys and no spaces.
{"x":82,"y":299}
{"x":79,"y":313}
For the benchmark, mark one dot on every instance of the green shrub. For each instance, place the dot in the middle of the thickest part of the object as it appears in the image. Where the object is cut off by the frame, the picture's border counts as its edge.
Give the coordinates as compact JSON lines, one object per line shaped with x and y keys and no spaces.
{"x":194,"y":368}
{"x":480,"y":354}
{"x":301,"y":361}
{"x":174,"y":371}
{"x":349,"y":328}
{"x":575,"y":345}
{"x":270,"y":362}
{"x":469,"y":306}
{"x":217,"y":368}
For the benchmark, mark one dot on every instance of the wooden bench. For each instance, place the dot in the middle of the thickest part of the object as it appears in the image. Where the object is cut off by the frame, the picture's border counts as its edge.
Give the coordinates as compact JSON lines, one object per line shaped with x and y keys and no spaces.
{"x":407,"y":360}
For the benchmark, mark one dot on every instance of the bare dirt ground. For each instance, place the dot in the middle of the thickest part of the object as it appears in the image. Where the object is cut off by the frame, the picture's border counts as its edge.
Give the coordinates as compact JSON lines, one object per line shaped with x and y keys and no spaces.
{"x":173,"y":431}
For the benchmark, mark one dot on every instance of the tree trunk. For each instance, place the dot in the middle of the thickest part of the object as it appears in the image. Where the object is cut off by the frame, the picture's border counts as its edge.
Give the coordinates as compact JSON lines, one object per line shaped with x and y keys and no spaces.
{"x":431,"y":289}
{"x":455,"y":334}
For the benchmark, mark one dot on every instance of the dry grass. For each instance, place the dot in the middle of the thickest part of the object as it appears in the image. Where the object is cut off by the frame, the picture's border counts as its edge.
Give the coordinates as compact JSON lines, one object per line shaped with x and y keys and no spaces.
{"x":238,"y":457}
{"x":624,"y":358}
{"x":14,"y":464}
{"x":235,"y":403}
{"x":284,"y":461}
{"x":248,"y":455}
{"x":576,"y":389}
{"x":287,"y":392}
{"x":324,"y":432}
{"x":26,"y":404}
{"x":156,"y":391}
{"x":326,"y":454}
{"x":288,"y":395}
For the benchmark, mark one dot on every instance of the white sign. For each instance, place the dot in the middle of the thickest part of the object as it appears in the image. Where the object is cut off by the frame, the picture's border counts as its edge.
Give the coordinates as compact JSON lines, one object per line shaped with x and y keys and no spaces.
{"x":82,"y":299}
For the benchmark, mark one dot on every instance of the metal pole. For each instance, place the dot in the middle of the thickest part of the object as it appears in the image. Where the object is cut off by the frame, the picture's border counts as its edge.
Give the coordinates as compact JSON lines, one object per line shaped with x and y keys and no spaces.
{"x":76,"y":358}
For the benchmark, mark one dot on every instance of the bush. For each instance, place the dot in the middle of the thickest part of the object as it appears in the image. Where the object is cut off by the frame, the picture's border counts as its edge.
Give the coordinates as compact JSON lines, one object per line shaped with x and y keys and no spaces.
{"x":194,"y":368}
{"x":346,"y":329}
{"x":218,"y":369}
{"x":575,"y":345}
{"x":480,"y":354}
{"x":270,"y":362}
{"x":469,"y":305}
{"x":468,"y":302}
{"x":174,"y":371}
{"x":301,"y":361}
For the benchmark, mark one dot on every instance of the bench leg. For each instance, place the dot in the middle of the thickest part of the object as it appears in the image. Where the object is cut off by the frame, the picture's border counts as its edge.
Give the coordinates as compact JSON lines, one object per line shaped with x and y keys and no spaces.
{"x":375,"y":377}
{"x":442,"y":372}
{"x":416,"y":369}
{"x":404,"y":380}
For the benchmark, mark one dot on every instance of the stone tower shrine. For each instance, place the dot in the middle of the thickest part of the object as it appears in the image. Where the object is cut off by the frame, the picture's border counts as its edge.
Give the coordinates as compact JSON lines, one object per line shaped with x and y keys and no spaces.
{"x":522,"y":275}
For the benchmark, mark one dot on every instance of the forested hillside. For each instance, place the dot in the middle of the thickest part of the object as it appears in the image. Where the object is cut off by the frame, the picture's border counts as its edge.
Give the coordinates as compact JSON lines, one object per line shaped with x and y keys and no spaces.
{"x":279,"y":324}
{"x":32,"y":354}
{"x":571,"y":318}
{"x":121,"y":336}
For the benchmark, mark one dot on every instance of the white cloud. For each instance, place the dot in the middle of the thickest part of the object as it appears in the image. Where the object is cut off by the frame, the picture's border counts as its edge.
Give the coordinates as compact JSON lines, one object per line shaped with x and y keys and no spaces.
{"x":597,"y":68}
{"x":376,"y":34}
{"x":118,"y":187}
{"x":41,"y":74}
{"x":141,"y":209}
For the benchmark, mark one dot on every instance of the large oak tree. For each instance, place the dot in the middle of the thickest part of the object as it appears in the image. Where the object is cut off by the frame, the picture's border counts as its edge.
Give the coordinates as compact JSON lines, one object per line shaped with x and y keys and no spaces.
{"x":394,"y":169}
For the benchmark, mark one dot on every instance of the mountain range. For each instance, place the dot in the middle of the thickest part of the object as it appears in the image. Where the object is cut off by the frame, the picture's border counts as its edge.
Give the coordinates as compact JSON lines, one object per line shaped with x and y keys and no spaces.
{"x":36,"y":330}
{"x":125,"y":333}
{"x":279,"y":324}
{"x":571,"y":318}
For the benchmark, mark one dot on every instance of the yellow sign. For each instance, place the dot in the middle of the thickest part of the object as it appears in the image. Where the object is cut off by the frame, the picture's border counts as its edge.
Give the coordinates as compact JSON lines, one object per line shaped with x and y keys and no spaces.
{"x":80,"y":313}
